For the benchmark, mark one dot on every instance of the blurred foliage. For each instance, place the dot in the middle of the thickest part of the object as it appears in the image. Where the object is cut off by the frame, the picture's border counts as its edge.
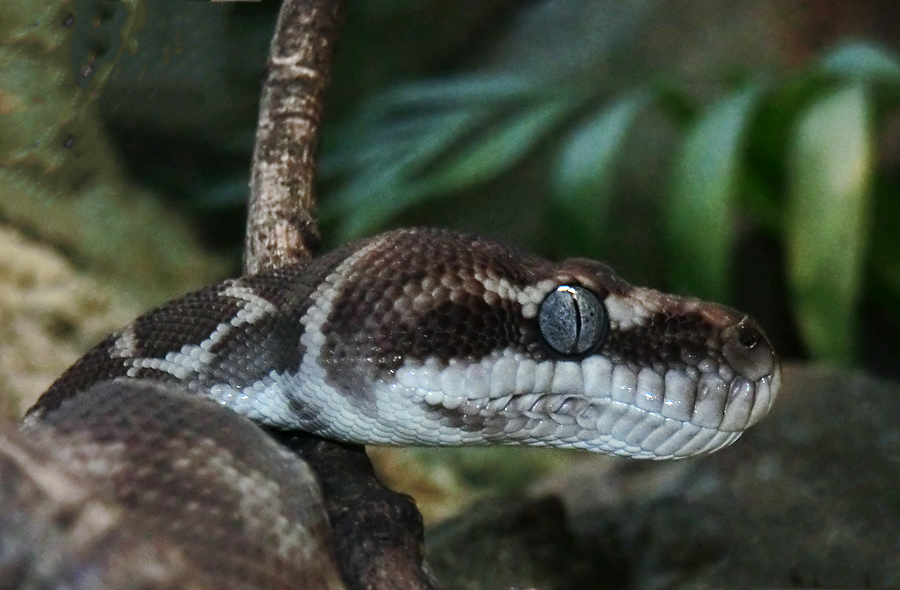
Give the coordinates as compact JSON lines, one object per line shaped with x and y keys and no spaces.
{"x":60,"y":179}
{"x":569,"y":126}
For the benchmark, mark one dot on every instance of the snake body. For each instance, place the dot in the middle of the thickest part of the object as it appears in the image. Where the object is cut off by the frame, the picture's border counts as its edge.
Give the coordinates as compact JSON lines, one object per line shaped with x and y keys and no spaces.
{"x":412,"y":337}
{"x":137,"y":485}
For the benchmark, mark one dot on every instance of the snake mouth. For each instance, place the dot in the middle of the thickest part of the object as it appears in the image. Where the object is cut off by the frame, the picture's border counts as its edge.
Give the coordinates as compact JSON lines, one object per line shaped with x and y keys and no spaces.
{"x":685,"y":413}
{"x":626,"y":429}
{"x":716,"y":422}
{"x":594,"y":404}
{"x":609,"y":425}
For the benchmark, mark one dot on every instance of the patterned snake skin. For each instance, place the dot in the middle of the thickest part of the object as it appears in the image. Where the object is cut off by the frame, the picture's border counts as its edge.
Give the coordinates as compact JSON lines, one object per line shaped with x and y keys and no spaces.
{"x":424,"y":337}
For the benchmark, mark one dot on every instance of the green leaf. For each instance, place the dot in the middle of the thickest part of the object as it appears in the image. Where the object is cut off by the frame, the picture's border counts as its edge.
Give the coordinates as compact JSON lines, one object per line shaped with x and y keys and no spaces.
{"x":699,"y":214}
{"x":862,"y":62}
{"x":583,"y":177}
{"x":415,"y":139}
{"x":452,"y":92}
{"x":390,"y":186}
{"x":368,"y":202}
{"x":498,"y":149}
{"x":831,"y":167}
{"x":382,"y":186}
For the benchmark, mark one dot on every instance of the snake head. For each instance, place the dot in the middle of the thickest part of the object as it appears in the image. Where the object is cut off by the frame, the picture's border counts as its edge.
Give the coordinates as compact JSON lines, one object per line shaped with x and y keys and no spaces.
{"x":459,"y":340}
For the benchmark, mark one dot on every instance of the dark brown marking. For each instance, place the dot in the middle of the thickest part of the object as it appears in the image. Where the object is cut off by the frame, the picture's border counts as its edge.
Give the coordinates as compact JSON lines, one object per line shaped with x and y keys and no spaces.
{"x":666,"y":339}
{"x":417,"y":297}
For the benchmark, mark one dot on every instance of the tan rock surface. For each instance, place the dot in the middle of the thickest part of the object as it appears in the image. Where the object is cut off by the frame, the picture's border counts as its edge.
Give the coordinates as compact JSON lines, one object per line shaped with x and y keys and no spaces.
{"x":49,"y":315}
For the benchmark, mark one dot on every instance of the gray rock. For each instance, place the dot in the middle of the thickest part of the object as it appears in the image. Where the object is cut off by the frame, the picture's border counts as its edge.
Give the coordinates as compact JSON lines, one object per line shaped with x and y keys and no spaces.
{"x":810,"y":498}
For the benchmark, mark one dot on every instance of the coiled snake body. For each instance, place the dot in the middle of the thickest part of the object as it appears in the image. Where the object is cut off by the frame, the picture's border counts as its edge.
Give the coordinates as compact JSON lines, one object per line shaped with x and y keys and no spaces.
{"x":430,"y":337}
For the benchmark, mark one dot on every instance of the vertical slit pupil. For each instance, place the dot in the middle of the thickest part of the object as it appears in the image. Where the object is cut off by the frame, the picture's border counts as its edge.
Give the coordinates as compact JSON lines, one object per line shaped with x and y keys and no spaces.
{"x":564,"y":318}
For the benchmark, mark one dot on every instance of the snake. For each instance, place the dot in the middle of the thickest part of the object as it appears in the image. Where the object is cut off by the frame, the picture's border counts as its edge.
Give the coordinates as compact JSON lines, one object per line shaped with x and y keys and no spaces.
{"x":413,"y":337}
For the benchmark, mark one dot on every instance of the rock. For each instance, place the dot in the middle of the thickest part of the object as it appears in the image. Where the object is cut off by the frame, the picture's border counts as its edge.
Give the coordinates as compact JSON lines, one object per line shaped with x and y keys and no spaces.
{"x":807,"y":499}
{"x":50,"y":313}
{"x":520,"y":543}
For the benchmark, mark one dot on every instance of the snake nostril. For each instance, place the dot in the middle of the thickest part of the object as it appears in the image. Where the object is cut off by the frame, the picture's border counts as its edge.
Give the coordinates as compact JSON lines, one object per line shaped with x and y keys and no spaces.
{"x":747,"y":337}
{"x":747,"y":350}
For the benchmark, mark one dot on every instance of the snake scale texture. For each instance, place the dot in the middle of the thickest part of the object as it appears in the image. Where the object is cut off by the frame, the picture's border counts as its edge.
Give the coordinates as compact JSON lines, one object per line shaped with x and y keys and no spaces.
{"x":413,"y":337}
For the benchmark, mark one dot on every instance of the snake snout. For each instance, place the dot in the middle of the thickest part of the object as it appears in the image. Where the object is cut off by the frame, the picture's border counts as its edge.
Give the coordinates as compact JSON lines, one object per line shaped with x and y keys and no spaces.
{"x":757,"y":374}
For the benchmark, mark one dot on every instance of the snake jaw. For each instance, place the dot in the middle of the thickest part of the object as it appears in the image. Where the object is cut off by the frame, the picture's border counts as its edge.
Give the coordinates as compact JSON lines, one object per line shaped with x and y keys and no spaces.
{"x":593,"y":404}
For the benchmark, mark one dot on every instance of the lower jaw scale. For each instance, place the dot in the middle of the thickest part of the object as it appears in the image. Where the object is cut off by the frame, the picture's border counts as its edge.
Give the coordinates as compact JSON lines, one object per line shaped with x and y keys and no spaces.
{"x":640,"y":435}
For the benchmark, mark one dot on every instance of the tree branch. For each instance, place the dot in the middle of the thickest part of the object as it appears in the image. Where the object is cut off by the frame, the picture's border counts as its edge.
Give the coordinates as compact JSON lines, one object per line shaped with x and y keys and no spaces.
{"x":377,"y":532}
{"x":281,"y":224}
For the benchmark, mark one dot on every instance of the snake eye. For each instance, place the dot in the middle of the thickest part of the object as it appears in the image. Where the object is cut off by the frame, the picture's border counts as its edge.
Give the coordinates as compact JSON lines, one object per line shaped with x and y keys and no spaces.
{"x":572,"y":320}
